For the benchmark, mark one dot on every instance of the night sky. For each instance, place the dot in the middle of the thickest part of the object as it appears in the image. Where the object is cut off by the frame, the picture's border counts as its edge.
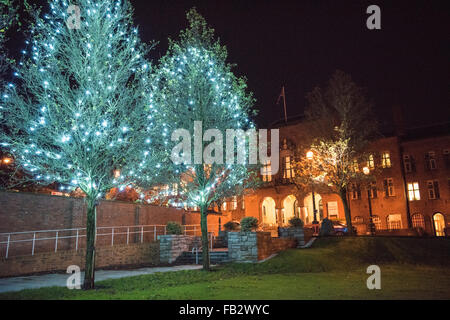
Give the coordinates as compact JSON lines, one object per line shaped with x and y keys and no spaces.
{"x":299,"y":44}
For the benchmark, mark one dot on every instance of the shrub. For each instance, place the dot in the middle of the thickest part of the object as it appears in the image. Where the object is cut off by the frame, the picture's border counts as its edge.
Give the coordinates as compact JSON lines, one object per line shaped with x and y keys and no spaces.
{"x":296,"y":222}
{"x":249,"y":224}
{"x":231,"y":226}
{"x":173,"y":228}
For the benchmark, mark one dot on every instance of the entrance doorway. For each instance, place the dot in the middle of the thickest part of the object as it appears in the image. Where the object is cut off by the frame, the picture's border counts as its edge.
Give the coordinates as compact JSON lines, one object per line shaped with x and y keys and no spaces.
{"x":439,"y":224}
{"x":269,"y":216}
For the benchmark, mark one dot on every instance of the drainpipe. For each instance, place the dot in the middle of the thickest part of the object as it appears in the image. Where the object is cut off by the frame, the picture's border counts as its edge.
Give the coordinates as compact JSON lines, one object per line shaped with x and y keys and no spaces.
{"x":405,"y":187}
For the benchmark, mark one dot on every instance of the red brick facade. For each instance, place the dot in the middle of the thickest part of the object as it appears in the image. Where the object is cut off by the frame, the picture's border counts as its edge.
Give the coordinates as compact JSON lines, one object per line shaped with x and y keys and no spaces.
{"x":389,"y":207}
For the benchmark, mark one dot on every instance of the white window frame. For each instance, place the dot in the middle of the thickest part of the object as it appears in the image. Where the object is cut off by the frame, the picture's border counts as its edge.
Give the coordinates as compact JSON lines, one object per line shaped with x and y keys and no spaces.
{"x":413,"y":191}
{"x":431,"y":188}
{"x":390,"y":187}
{"x":432,"y":160}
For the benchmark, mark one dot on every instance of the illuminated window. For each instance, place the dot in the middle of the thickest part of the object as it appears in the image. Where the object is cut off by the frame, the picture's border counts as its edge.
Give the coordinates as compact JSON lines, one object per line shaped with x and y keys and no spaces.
{"x":394,"y":221}
{"x":234,"y":203}
{"x":370,"y":162}
{"x":389,"y":190}
{"x":386,"y":160}
{"x":288,"y":170}
{"x":355,"y":166}
{"x":224,"y":206}
{"x":267,"y":171}
{"x":175,"y":189}
{"x":377,"y":222}
{"x":358,"y":219}
{"x":433,"y":189}
{"x":413,"y":191}
{"x":243,"y":203}
{"x":418,"y":221}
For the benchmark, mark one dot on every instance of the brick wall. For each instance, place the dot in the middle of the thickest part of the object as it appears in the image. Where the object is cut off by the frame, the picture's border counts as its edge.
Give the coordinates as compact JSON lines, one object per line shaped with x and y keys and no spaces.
{"x":121,"y":255}
{"x":30,"y":212}
{"x":268,"y":245}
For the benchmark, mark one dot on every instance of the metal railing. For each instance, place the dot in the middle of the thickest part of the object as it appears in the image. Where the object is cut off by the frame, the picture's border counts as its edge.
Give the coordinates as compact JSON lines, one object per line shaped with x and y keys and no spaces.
{"x":117,"y":235}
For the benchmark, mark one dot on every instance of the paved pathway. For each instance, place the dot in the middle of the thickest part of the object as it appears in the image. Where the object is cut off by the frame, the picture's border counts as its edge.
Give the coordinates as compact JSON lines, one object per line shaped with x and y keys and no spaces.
{"x":59,"y":279}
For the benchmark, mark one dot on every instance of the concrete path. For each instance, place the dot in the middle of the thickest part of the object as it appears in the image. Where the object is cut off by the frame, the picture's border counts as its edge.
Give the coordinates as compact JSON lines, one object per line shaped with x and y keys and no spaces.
{"x":59,"y":280}
{"x":309,"y":244}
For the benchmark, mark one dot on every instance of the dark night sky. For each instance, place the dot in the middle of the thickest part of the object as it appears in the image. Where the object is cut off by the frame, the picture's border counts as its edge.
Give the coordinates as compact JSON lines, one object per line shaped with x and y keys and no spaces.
{"x":300,"y":43}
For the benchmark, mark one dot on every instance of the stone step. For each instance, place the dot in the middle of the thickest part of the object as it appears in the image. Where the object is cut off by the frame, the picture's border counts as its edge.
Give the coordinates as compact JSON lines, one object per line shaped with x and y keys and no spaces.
{"x":215,"y":257}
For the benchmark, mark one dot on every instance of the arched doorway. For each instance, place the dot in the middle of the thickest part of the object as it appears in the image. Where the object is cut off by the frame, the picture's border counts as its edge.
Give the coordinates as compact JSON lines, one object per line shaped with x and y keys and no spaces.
{"x":289,"y":208}
{"x":308,"y":209}
{"x":269,"y":216}
{"x":439,"y":224}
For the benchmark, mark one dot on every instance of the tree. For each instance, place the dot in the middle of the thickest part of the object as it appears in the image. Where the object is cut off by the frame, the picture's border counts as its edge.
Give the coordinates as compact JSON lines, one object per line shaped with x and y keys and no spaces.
{"x":198,"y":90}
{"x":341,"y":124}
{"x":80,"y":106}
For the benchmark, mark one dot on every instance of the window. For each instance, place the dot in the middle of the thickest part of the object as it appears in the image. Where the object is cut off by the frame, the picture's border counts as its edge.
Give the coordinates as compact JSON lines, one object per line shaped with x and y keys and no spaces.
{"x":175,"y":189}
{"x":408,"y":163}
{"x":243,"y":203}
{"x":288,"y":170}
{"x":446,"y":154}
{"x":358,"y":219}
{"x":371,"y":162}
{"x":234,"y":203}
{"x":224,"y":206}
{"x":386,"y":160}
{"x":433,"y":189}
{"x":413,"y":191}
{"x":418,"y":221}
{"x":355,"y":166}
{"x":164,"y":191}
{"x":430,"y":160}
{"x":389,"y":190}
{"x":394,"y":221}
{"x":377,"y":222}
{"x":355,"y":191}
{"x":373,"y":190}
{"x":267,"y":171}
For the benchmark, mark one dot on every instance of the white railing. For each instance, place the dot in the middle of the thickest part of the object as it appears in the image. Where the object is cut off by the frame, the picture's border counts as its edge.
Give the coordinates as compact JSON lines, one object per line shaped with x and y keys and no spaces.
{"x":116,"y":234}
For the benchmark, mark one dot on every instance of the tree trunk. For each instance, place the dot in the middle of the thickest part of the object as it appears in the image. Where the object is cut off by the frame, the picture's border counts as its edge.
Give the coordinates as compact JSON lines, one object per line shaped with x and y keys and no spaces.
{"x":91,"y":230}
{"x":348,"y":217}
{"x":205,"y":242}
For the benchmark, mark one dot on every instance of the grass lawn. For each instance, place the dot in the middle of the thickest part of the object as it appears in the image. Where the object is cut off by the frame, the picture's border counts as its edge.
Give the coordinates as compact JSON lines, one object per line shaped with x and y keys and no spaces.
{"x":334,"y":268}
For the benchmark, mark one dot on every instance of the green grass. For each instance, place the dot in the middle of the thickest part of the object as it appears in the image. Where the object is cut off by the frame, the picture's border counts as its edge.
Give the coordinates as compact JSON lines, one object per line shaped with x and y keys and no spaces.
{"x":334,"y":268}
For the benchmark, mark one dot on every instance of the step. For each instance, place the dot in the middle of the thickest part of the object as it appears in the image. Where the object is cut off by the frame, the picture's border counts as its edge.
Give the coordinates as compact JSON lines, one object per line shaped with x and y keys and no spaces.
{"x":214,"y":257}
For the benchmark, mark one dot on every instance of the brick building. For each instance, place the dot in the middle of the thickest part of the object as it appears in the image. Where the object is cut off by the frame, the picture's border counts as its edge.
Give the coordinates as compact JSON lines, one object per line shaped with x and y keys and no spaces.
{"x":412,"y":187}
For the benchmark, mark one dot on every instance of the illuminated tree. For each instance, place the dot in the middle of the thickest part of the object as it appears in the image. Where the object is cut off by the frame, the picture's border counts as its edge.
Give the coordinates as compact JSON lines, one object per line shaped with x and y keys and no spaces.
{"x":80,"y":108}
{"x":340,"y":126}
{"x":198,"y":91}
